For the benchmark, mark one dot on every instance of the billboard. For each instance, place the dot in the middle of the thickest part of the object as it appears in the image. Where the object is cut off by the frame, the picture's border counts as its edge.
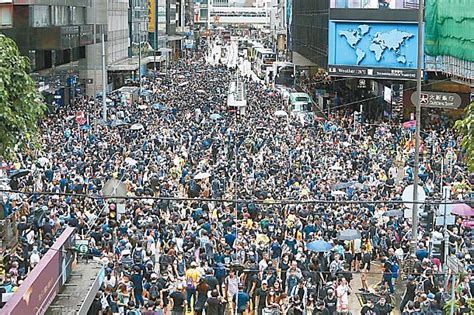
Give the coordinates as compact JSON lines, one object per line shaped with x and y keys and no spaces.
{"x":151,"y":15}
{"x":370,"y":49}
{"x":374,"y":4}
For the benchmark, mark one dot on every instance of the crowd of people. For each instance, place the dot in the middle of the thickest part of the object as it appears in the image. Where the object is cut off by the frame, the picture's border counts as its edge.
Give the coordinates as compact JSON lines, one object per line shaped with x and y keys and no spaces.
{"x":222,"y":208}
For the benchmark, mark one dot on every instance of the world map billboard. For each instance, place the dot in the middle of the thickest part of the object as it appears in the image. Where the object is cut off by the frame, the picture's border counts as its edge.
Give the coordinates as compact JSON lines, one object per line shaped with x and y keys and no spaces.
{"x":367,"y":47}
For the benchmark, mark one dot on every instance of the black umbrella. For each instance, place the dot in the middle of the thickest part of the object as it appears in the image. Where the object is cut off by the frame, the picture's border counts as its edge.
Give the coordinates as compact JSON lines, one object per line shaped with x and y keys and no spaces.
{"x":19,"y":173}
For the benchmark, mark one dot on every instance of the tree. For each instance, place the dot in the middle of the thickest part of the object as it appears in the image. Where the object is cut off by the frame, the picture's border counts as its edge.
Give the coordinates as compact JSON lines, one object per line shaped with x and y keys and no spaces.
{"x":466,"y":128}
{"x":21,"y":105}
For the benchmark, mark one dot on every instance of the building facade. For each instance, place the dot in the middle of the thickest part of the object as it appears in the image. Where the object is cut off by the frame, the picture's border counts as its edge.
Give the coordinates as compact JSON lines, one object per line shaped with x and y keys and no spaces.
{"x":309,"y":30}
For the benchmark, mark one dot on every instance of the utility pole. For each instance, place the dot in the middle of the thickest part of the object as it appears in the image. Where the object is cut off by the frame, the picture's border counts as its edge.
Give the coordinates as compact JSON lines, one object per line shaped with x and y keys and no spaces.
{"x":139,"y":59}
{"x":415,"y":205}
{"x":104,"y":81}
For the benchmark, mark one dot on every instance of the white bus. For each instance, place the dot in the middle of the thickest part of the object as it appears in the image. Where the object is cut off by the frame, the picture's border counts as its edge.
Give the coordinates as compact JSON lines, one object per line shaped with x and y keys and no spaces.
{"x":264,"y":58}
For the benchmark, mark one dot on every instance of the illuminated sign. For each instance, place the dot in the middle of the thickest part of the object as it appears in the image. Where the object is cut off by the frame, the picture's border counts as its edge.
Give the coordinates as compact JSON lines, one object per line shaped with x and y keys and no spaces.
{"x":368,"y":49}
{"x":151,"y":15}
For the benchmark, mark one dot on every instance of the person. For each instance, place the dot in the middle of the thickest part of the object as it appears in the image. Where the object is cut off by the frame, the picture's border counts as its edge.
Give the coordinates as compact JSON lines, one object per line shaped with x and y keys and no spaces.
{"x":410,"y":292}
{"x":330,"y":300}
{"x":342,"y":291}
{"x":369,"y":308}
{"x":202,"y":289}
{"x":177,"y":301}
{"x":192,"y":277}
{"x":321,"y":309}
{"x":241,"y":300}
{"x":261,"y":297}
{"x":382,"y":307}
{"x":214,"y":304}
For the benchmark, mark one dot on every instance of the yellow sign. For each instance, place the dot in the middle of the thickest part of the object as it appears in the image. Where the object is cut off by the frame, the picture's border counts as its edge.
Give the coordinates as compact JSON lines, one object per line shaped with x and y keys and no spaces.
{"x":151,"y":15}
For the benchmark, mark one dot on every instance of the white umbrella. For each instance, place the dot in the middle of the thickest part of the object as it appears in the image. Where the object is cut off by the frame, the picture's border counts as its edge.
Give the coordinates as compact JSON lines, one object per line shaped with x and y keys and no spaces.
{"x":142,"y":107}
{"x":136,"y":127}
{"x":338,"y":193}
{"x":131,"y":161}
{"x":43,"y":160}
{"x":183,"y":84}
{"x":200,"y":91}
{"x":202,"y":175}
{"x":336,"y":168}
{"x":281,"y":113}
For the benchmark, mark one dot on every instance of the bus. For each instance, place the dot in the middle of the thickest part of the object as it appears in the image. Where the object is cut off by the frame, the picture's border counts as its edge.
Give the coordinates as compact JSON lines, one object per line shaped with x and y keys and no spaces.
{"x":264,"y":59}
{"x":300,"y":104}
{"x":252,"y":50}
{"x":284,"y":74}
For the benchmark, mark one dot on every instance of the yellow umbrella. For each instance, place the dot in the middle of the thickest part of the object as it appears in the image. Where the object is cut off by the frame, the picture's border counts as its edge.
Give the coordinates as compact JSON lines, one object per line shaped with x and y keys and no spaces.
{"x":262,"y":238}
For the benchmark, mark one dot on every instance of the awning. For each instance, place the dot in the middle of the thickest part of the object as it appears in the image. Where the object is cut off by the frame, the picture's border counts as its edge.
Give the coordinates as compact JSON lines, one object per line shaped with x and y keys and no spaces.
{"x":131,"y":64}
{"x":175,"y":37}
{"x":300,"y":60}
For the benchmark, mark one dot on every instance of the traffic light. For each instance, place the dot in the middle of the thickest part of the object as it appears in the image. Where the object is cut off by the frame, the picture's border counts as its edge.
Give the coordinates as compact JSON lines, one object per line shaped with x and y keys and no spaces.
{"x":112,"y":214}
{"x":427,"y":218}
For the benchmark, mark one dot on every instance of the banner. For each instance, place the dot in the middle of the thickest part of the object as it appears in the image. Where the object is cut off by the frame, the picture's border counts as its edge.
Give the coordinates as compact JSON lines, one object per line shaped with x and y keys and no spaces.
{"x":151,"y":15}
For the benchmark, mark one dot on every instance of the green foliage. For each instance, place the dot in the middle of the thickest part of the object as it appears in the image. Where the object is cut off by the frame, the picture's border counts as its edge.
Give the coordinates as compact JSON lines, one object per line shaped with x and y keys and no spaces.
{"x":466,"y":128}
{"x":20,"y":104}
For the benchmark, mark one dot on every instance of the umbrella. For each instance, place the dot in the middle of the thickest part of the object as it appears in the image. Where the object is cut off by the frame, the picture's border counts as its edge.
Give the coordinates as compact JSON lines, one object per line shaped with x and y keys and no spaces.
{"x":359,"y":186}
{"x":43,"y":160}
{"x":142,"y":107}
{"x":342,"y":185}
{"x":136,"y":127}
{"x":200,"y":91}
{"x":202,"y":175}
{"x":409,"y":124}
{"x":183,"y":84}
{"x":117,"y":123}
{"x":215,"y":116}
{"x":131,"y":161}
{"x":462,"y":210}
{"x":348,"y":235}
{"x":338,"y":193}
{"x":319,"y":246}
{"x":262,"y":238}
{"x":19,"y":173}
{"x":281,"y":113}
{"x":317,"y":118}
{"x":85,"y":127}
{"x":336,"y":168}
{"x":469,"y":224}
{"x":393,"y":213}
{"x":159,"y":106}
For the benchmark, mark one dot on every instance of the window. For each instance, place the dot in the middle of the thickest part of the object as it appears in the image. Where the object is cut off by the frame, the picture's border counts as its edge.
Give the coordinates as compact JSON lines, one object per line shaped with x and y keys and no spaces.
{"x":5,"y":16}
{"x":60,"y":15}
{"x":78,"y":15}
{"x":41,"y":16}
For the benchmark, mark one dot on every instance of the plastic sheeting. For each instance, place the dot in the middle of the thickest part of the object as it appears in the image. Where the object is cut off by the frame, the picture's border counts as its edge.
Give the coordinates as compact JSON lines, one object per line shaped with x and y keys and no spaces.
{"x":449,"y":28}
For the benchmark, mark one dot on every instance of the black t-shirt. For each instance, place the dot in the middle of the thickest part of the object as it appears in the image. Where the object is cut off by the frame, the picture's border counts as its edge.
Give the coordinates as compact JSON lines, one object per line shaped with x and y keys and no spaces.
{"x":331,"y":304}
{"x":323,"y":311}
{"x":212,"y":282}
{"x":213,"y":304}
{"x":383,"y":310}
{"x":262,"y":294}
{"x":368,"y":310}
{"x":178,"y":301}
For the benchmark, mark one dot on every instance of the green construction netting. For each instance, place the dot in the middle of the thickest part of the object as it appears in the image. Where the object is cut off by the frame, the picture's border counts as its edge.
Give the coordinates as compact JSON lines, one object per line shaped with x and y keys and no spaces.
{"x":449,"y":28}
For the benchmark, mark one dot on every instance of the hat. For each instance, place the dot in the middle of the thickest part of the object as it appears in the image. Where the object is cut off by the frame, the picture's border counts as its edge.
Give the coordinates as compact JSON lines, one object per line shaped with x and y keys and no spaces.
{"x":430,"y":296}
{"x":193,"y":264}
{"x":126,"y":252}
{"x":264,"y":282}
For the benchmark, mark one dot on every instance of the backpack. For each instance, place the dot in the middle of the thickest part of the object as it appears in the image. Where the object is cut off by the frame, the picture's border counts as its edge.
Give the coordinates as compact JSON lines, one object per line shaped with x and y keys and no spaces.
{"x":220,"y":271}
{"x":395,"y":268}
{"x":189,"y":284}
{"x":154,"y":292}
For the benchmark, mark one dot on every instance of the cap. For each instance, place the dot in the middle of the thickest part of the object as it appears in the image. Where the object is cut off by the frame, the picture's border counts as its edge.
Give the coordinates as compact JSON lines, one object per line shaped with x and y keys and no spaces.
{"x":264,"y":282}
{"x":193,"y":264}
{"x":430,"y":296}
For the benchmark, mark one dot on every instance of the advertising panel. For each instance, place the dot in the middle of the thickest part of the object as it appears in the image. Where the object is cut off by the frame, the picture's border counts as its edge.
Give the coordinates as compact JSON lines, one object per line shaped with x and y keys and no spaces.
{"x":378,"y":50}
{"x":374,"y":4}
{"x":44,"y":282}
